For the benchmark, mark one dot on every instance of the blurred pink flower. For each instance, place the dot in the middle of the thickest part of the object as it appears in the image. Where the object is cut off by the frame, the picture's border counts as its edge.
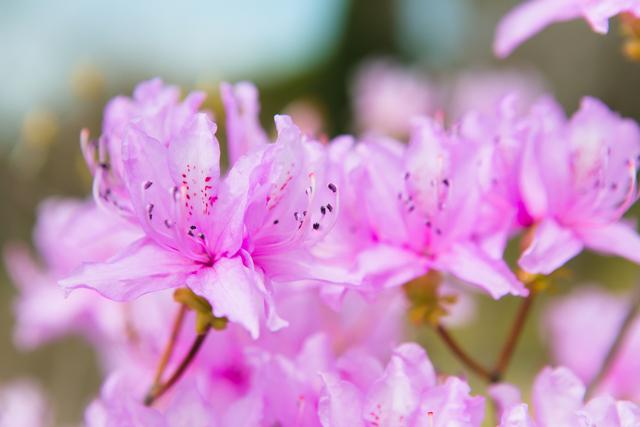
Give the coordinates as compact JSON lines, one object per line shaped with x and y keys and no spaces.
{"x":594,"y":310}
{"x":68,"y":232}
{"x":387,"y":97}
{"x":23,"y":404}
{"x":479,"y":91}
{"x":558,"y":401}
{"x":532,"y":16}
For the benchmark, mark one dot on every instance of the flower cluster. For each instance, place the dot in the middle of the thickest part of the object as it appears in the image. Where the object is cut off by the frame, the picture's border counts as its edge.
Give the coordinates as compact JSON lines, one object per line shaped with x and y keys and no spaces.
{"x":266,"y":281}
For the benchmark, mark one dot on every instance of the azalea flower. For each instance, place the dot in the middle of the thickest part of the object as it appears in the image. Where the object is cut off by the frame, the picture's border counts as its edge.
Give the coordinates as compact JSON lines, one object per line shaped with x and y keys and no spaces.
{"x":68,"y":232}
{"x":405,"y":393}
{"x":558,"y":401}
{"x":387,"y":96}
{"x":229,"y":238}
{"x":117,"y":406}
{"x":566,"y":181}
{"x":416,"y":208}
{"x":532,"y":16}
{"x":578,"y":178}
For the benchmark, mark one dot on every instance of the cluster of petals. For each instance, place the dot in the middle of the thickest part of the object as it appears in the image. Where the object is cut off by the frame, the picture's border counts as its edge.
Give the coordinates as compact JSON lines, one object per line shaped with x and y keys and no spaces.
{"x":296,"y":227}
{"x":566,"y":182}
{"x":158,"y":165}
{"x":311,"y":389}
{"x":558,"y":399}
{"x":532,"y":16}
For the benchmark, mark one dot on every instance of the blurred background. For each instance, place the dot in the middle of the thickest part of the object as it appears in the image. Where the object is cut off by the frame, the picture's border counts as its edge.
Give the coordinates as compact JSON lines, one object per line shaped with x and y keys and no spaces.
{"x":61,"y":61}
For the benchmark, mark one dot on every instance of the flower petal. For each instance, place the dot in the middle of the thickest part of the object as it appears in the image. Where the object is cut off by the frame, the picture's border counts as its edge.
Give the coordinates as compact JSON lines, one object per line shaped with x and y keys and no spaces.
{"x":389,"y":266}
{"x":551,"y":247}
{"x":451,"y":405}
{"x":517,"y":416}
{"x":615,"y":239}
{"x":236,"y":292}
{"x":244,"y":133}
{"x":395,"y":396}
{"x":194,"y":161}
{"x":470,"y":264}
{"x":340,"y":403}
{"x":557,"y":395}
{"x":528,"y":19}
{"x":505,"y":396}
{"x":141,"y":268}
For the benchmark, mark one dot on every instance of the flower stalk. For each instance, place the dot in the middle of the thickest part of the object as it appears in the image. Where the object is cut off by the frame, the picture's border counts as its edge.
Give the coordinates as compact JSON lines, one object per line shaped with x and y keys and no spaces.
{"x":462,"y":355}
{"x":169,"y":348}
{"x":160,"y":389}
{"x":205,"y":321}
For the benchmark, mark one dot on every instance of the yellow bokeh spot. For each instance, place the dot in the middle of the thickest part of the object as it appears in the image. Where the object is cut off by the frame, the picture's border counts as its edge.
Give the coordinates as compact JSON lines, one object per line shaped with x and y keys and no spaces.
{"x":39,"y":129}
{"x":87,"y":82}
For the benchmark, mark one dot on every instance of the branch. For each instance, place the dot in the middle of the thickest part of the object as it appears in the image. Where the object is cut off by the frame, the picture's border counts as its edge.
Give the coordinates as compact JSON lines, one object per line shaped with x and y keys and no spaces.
{"x":461,"y":354}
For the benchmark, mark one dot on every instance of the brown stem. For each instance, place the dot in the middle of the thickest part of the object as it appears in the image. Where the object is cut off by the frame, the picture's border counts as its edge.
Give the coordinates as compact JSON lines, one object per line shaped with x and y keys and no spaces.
{"x":171,"y":344}
{"x":512,"y":339}
{"x":633,"y":311}
{"x":160,"y":389}
{"x":461,"y":354}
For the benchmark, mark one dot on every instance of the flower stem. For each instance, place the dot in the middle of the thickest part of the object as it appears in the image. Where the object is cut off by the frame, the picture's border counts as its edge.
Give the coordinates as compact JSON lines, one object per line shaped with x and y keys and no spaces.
{"x":632,"y":313}
{"x":512,"y":339}
{"x":461,"y":354}
{"x":171,"y":344}
{"x":157,"y":391}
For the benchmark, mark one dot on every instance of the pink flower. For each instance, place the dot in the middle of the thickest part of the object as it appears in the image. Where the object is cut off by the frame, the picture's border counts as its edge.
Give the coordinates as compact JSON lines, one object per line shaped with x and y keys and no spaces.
{"x":532,"y":16}
{"x":478,"y":91}
{"x":244,"y":133}
{"x":569,"y":180}
{"x":387,"y":97}
{"x":229,"y":238}
{"x":577,"y":179}
{"x":600,"y":313}
{"x":374,"y":324}
{"x":68,"y":232}
{"x":157,"y":109}
{"x":558,"y":401}
{"x":405,"y":393}
{"x":411,"y":209}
